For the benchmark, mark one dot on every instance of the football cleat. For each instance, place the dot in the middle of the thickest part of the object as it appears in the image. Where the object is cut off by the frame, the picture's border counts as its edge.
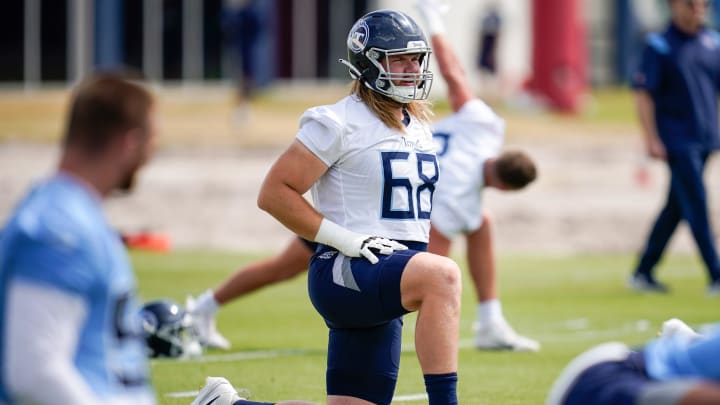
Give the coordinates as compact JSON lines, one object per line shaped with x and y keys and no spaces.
{"x":644,"y":283}
{"x":713,"y":289}
{"x":498,"y":335}
{"x":205,"y":325}
{"x":568,"y":378}
{"x":217,"y":391}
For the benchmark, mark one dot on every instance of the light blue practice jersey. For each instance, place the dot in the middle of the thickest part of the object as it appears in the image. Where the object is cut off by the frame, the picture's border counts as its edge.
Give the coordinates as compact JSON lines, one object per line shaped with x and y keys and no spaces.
{"x":59,"y":238}
{"x":679,"y":357}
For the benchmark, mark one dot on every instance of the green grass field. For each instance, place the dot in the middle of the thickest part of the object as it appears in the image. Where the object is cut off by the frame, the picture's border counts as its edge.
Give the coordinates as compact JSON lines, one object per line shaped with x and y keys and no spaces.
{"x":569,"y":303}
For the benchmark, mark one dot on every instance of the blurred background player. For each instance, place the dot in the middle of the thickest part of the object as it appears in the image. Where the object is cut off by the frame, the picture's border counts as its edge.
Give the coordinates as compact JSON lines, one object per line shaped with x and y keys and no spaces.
{"x":487,"y":57}
{"x":680,"y":367}
{"x":293,"y":260}
{"x":477,"y":135}
{"x":70,"y":327}
{"x":370,"y":161}
{"x":242,"y":24}
{"x":470,"y":140}
{"x":676,"y":88}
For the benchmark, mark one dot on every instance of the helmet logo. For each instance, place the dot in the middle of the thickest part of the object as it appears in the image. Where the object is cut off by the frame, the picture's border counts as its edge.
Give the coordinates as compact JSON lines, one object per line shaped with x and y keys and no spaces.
{"x":358,"y":36}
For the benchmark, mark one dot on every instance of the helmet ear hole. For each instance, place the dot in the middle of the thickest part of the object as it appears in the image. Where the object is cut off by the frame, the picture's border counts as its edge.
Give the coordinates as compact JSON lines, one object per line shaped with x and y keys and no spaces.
{"x":365,"y":75}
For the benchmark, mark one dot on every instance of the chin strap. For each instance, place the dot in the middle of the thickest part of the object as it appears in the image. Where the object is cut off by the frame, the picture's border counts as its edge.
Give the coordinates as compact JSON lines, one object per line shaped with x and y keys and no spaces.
{"x":354,"y":72}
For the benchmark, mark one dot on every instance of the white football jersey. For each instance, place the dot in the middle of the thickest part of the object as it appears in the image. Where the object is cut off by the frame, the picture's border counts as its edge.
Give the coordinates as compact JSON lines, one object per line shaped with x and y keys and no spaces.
{"x":379,"y":181}
{"x":465,"y":140}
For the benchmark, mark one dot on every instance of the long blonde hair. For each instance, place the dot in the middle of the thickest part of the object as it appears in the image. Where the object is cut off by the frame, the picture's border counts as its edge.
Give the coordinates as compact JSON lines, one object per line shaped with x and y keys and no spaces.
{"x":384,"y":107}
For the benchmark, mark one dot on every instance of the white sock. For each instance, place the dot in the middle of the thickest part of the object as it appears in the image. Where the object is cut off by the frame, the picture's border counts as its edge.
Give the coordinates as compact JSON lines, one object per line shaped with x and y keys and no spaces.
{"x":488,"y":311}
{"x":206,"y":303}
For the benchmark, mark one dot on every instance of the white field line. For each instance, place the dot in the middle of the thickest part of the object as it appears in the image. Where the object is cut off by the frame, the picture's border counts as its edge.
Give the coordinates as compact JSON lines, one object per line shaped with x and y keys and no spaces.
{"x":574,"y":330}
{"x":579,"y":330}
{"x":410,"y":397}
{"x":182,"y":394}
{"x":398,"y":398}
{"x":235,"y":356}
{"x":192,"y":394}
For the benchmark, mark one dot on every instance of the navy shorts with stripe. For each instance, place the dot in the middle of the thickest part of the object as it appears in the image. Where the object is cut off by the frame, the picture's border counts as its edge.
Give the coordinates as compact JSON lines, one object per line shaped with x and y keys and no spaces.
{"x":361,"y":305}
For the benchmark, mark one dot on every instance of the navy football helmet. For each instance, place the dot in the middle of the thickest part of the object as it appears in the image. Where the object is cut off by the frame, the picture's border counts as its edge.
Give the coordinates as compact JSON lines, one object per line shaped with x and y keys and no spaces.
{"x":377,"y":36}
{"x":168,"y":330}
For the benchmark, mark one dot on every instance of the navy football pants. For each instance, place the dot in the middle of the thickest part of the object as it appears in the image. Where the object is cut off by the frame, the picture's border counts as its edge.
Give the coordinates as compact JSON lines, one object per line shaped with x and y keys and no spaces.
{"x":362,"y":306}
{"x":686,"y":200}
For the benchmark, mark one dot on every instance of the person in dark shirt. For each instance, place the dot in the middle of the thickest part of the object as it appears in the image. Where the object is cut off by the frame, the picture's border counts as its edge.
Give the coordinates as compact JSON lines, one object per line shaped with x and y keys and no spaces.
{"x":676,"y":88}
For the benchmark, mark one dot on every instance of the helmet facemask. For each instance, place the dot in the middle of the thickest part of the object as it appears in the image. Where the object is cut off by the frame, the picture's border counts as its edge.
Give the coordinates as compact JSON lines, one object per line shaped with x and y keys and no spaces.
{"x":418,"y":84}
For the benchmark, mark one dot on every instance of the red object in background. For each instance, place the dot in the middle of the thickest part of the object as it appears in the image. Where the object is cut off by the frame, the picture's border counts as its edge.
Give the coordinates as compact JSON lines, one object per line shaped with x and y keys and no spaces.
{"x":155,"y":242}
{"x":559,"y":54}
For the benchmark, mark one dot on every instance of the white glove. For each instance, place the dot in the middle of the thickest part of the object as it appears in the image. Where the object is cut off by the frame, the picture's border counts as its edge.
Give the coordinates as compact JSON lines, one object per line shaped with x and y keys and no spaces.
{"x":431,"y":12}
{"x":353,"y":244}
{"x":383,"y":246}
{"x":676,"y":328}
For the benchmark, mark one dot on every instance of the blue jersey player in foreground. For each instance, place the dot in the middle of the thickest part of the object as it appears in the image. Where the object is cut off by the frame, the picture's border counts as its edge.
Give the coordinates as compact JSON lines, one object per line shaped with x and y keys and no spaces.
{"x":370,"y":161}
{"x":70,"y":332}
{"x":676,"y":93}
{"x":680,"y":367}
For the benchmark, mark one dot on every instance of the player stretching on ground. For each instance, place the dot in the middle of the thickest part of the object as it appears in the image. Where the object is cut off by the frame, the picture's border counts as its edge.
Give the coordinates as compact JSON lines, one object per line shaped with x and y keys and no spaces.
{"x":680,"y":367}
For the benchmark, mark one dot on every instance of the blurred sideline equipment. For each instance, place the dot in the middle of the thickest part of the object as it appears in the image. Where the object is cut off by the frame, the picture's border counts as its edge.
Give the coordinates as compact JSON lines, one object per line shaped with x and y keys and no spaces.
{"x":146,"y":240}
{"x":559,"y":55}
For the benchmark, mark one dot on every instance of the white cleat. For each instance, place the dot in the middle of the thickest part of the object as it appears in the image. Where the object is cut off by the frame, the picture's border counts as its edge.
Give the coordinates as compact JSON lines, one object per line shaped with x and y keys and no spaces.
{"x":498,"y":335}
{"x":217,"y":391}
{"x":206,"y":329}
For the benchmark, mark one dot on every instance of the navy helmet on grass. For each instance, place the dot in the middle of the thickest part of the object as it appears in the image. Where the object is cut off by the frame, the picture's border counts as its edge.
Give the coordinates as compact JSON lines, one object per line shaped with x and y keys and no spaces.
{"x":377,"y":36}
{"x":169,"y":330}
